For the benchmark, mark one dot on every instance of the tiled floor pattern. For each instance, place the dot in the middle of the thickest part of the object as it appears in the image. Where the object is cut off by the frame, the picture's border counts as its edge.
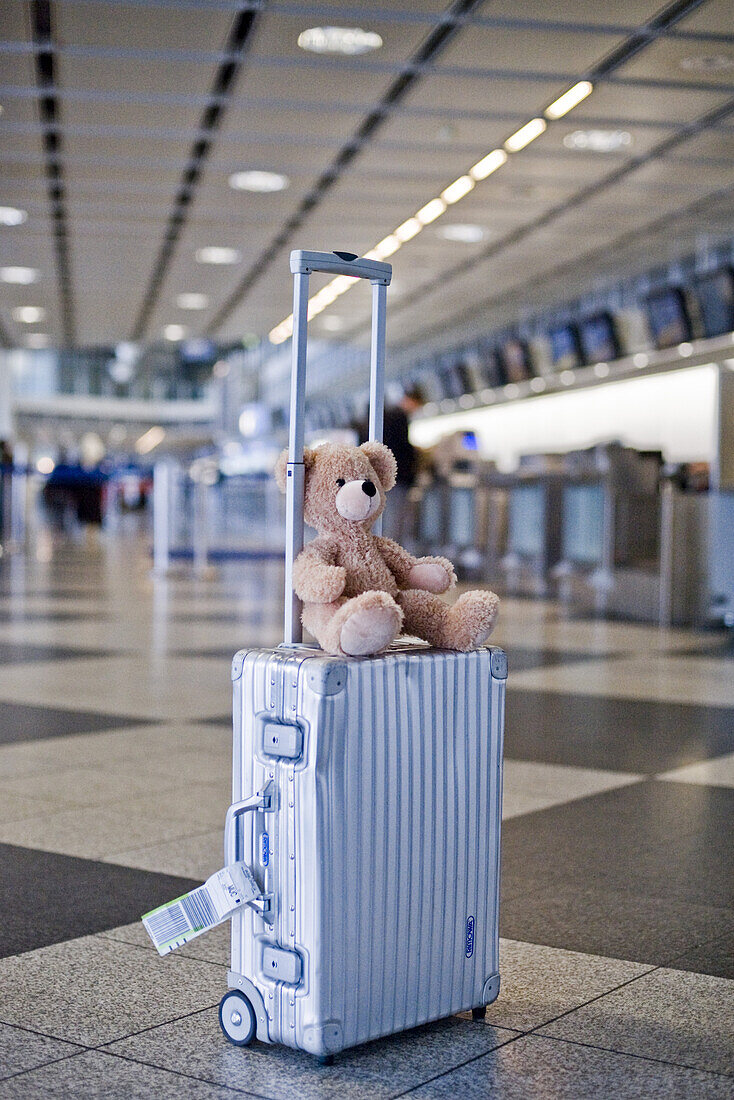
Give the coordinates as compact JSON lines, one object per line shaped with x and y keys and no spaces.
{"x":617,"y":909}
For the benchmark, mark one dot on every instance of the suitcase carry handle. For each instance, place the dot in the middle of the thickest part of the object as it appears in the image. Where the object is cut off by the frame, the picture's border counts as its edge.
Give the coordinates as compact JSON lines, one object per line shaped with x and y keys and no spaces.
{"x":303,"y":263}
{"x":264,"y":801}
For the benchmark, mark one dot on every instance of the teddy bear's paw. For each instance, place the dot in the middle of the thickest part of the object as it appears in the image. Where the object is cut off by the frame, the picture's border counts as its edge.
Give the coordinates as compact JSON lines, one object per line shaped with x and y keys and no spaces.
{"x":374,"y":623}
{"x":472,"y":619}
{"x":430,"y":576}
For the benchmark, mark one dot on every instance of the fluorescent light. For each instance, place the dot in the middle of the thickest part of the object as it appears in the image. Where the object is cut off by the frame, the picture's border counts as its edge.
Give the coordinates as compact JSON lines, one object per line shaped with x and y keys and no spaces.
{"x":174,"y":332}
{"x":28,"y":315}
{"x":11,"y":215}
{"x":264,"y":182}
{"x":489,"y":164}
{"x":456,"y":190}
{"x":150,"y":439}
{"x":568,"y":377}
{"x":511,"y":390}
{"x":685,"y":349}
{"x":640,"y":359}
{"x":45,"y":465}
{"x":537,"y":385}
{"x":432,"y":210}
{"x":192,"y":300}
{"x":527,"y":133}
{"x":598,"y":141}
{"x":601,"y":370}
{"x":408,"y":230}
{"x":37,"y":340}
{"x":22,"y":275}
{"x":386,"y":247}
{"x":213,"y":254}
{"x":346,"y":40}
{"x":465,"y":234}
{"x":466,"y":401}
{"x":569,"y":99}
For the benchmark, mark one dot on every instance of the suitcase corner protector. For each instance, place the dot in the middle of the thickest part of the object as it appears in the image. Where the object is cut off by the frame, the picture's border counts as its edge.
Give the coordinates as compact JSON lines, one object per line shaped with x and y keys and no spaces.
{"x":326,"y":676}
{"x":237,"y":663}
{"x":491,"y":990}
{"x":498,"y":663}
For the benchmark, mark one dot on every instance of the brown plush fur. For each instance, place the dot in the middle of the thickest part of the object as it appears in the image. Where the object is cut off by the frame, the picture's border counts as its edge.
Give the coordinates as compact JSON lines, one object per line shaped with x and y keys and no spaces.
{"x":358,"y":589}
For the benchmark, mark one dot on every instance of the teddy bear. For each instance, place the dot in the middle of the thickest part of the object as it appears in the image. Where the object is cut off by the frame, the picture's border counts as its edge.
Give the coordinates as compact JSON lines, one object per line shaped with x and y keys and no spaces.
{"x":360,"y":590}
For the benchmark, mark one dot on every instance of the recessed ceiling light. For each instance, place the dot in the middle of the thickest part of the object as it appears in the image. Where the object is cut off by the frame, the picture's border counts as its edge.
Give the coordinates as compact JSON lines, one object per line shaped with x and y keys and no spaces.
{"x":527,"y":133}
{"x":214,"y":254}
{"x":346,"y":40}
{"x":598,"y":141}
{"x":174,"y":332}
{"x":466,"y":401}
{"x":685,"y":349}
{"x":22,"y":275}
{"x":28,"y":315}
{"x":537,"y":385}
{"x":640,"y":360}
{"x":708,"y":63}
{"x":11,"y":215}
{"x":567,"y":377}
{"x":465,"y":234}
{"x":192,"y":300}
{"x":258,"y":181}
{"x":601,"y":370}
{"x":511,"y":391}
{"x":332,"y":323}
{"x":37,"y":340}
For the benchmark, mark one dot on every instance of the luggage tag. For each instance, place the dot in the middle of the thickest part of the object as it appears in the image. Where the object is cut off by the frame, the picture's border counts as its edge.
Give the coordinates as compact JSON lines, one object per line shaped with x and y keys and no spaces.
{"x":183,"y":919}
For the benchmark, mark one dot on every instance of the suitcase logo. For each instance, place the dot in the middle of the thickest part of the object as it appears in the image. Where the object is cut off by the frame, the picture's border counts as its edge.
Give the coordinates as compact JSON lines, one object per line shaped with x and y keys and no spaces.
{"x":264,"y":849}
{"x":469,"y":938}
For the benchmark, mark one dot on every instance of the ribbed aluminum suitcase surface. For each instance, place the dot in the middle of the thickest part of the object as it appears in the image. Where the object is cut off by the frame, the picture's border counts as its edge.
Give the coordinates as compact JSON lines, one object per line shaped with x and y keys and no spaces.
{"x":381,"y":851}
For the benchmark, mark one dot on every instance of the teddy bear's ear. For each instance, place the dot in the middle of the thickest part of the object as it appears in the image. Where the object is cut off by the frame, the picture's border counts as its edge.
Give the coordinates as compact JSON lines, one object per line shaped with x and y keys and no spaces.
{"x":382,"y":461}
{"x":281,"y":465}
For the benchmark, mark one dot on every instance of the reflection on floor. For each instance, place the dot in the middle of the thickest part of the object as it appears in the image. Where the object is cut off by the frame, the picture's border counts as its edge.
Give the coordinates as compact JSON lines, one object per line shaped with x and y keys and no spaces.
{"x":617,"y":911}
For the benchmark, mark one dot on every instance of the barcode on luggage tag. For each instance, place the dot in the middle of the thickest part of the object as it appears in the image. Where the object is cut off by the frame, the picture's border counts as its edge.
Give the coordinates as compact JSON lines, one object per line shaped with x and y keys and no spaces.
{"x":181,"y":920}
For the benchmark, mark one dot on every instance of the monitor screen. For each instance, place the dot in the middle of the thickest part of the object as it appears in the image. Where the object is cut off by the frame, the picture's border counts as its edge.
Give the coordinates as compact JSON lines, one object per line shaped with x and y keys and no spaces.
{"x":564,"y":347}
{"x":668,"y":316}
{"x":598,"y":338}
{"x":453,"y":383}
{"x":515,"y":360}
{"x":715,"y":295}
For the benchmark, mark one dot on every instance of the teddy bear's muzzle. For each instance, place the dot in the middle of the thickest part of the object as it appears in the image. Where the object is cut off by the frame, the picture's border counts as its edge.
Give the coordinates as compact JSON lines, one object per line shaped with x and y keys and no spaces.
{"x":358,"y":500}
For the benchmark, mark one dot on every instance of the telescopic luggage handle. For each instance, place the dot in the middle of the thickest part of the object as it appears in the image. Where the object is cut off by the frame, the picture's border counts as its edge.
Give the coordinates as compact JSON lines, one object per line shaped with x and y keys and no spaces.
{"x":303,"y":263}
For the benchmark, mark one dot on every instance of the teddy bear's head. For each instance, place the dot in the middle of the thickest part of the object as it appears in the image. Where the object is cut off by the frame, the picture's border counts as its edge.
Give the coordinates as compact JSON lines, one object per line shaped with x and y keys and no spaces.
{"x":345,"y":486}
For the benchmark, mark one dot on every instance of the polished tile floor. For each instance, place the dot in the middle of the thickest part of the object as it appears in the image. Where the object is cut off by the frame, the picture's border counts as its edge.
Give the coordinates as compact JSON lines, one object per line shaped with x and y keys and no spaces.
{"x":618,"y":871}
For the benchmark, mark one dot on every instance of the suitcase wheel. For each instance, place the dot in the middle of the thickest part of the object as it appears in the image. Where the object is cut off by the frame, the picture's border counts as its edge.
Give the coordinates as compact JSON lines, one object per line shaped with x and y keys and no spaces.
{"x":325,"y":1059}
{"x":237,"y":1018}
{"x":479,"y":1013}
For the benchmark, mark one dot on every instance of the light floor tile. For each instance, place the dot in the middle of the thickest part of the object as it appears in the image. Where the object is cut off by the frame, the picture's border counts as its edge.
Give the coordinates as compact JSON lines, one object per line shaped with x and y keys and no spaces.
{"x":718,"y":772}
{"x":22,"y":1050}
{"x":97,"y":831}
{"x":94,"y":990}
{"x":155,"y":687}
{"x":672,"y":1015}
{"x":528,"y":786}
{"x":213,"y":946}
{"x":377,"y":1070}
{"x":651,"y":676}
{"x":97,"y":1076}
{"x":190,"y":857}
{"x":539,"y":983}
{"x":534,"y":1068}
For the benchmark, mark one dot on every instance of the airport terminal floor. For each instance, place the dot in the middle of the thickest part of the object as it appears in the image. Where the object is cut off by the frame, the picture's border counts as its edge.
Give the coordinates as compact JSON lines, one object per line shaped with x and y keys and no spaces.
{"x":617,"y":918}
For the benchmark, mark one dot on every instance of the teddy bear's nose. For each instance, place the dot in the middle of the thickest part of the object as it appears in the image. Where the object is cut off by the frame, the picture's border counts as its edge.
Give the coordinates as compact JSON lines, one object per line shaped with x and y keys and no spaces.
{"x":368,"y":488}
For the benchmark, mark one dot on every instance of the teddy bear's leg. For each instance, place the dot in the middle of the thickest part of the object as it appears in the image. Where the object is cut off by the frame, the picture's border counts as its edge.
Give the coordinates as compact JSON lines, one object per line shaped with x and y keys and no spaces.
{"x":354,"y":627}
{"x":463,"y":625}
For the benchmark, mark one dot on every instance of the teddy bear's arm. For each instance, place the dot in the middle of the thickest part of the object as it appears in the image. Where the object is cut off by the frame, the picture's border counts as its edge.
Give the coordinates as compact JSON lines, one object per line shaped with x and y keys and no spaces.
{"x":316,"y":579}
{"x":431,"y":574}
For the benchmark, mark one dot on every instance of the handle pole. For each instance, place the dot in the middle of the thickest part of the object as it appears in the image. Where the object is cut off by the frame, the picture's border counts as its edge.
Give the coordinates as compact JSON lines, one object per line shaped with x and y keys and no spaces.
{"x":377,"y":371}
{"x":295,"y":470}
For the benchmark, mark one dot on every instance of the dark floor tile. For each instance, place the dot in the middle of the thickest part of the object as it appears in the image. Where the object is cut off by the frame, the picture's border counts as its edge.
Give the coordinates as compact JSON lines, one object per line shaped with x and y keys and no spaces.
{"x":22,"y":1050}
{"x":22,"y":653}
{"x":597,"y":731}
{"x":719,"y":648}
{"x":47,"y":898}
{"x":639,"y":872}
{"x":20,"y":615}
{"x":20,"y":722}
{"x":712,"y":957}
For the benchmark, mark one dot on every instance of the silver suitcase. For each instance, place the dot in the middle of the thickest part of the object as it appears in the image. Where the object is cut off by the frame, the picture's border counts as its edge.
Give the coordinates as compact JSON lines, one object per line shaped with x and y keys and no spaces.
{"x":367,"y":802}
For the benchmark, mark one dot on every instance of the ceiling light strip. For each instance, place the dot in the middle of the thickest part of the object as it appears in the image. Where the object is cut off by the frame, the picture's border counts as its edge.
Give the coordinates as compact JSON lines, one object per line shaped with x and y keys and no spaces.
{"x":454,"y":193}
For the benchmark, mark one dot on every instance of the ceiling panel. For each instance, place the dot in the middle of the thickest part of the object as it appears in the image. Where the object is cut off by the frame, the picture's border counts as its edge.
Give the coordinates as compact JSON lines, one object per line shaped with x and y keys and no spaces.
{"x":533,"y":51}
{"x":629,"y":13}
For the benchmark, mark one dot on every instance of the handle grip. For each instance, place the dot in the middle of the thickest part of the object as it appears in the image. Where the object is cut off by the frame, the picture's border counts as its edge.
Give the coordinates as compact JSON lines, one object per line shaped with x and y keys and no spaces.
{"x":264,"y":801}
{"x":340,"y":263}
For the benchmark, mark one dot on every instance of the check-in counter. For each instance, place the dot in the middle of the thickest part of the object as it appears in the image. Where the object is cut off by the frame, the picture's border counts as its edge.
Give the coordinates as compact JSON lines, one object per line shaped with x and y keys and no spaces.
{"x":533,"y":545}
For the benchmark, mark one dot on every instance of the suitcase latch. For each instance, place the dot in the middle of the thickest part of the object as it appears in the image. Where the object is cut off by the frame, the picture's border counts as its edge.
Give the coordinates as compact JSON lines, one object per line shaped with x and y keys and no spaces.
{"x":282,"y":739}
{"x":282,"y":966}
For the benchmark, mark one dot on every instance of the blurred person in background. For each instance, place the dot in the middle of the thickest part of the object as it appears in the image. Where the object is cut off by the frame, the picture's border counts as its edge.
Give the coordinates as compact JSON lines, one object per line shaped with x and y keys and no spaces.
{"x":396,"y":431}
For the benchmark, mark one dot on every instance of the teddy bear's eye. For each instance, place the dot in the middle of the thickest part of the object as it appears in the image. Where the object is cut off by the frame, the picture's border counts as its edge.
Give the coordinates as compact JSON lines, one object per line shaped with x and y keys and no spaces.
{"x":340,"y":481}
